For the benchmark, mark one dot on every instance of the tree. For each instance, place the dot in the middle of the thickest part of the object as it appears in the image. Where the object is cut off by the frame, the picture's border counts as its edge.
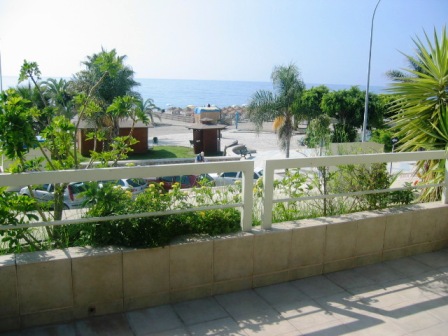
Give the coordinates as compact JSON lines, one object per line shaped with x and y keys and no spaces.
{"x":318,"y":132}
{"x":420,"y":119}
{"x":318,"y":135}
{"x":59,"y":96}
{"x":147,"y":107}
{"x":311,"y":102}
{"x":119,"y":82}
{"x":281,"y":106}
{"x":347,"y":107}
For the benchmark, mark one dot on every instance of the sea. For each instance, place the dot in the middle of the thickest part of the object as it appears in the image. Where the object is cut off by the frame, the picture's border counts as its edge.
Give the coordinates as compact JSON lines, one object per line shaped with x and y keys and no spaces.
{"x":168,"y":93}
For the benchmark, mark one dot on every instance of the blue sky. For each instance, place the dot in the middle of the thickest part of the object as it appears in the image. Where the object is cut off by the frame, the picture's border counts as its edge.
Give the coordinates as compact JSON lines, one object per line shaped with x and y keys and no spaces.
{"x":218,"y":39}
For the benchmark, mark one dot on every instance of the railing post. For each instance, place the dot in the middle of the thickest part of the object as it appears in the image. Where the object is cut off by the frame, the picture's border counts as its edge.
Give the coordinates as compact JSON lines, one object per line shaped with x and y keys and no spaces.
{"x":268,"y":196}
{"x":248,"y":198}
{"x":445,"y":187}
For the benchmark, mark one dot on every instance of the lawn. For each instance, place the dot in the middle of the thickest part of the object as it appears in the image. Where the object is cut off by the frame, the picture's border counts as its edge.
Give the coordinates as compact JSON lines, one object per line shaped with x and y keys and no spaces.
{"x":158,"y":152}
{"x":164,"y":152}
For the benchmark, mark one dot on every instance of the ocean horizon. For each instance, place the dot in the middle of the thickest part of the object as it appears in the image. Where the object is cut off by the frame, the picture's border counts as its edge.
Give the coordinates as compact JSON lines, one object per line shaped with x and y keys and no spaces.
{"x":168,"y":93}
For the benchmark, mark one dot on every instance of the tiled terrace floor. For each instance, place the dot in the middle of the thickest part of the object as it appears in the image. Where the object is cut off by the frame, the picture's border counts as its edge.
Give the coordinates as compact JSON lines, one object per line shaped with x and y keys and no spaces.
{"x":407,"y":296}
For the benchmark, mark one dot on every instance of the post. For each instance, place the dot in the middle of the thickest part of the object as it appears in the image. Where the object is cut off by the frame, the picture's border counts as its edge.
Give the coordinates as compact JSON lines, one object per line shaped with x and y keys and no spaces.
{"x":394,"y":141}
{"x":1,"y":76}
{"x":268,"y":196}
{"x":248,"y":199}
{"x":366,"y":103}
{"x":445,"y":187}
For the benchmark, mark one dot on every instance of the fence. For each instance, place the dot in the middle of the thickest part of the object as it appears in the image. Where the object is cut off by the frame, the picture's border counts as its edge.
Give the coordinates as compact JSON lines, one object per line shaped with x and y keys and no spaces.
{"x":246,"y":166}
{"x":179,"y":117}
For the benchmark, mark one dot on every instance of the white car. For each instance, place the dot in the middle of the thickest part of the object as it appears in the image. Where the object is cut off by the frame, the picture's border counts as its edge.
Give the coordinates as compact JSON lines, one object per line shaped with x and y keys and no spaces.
{"x":228,"y":178}
{"x":73,"y":194}
{"x":134,"y":185}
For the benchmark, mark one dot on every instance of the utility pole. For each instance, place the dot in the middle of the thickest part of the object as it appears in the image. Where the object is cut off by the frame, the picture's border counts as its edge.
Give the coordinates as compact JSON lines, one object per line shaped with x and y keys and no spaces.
{"x":366,"y":103}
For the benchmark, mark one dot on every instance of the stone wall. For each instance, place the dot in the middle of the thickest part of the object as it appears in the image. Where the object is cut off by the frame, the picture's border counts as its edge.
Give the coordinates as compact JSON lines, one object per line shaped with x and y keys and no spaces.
{"x":62,"y":285}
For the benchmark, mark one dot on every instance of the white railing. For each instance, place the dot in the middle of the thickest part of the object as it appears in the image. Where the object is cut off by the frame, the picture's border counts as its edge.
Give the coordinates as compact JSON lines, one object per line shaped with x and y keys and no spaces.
{"x":332,"y":161}
{"x":246,"y":166}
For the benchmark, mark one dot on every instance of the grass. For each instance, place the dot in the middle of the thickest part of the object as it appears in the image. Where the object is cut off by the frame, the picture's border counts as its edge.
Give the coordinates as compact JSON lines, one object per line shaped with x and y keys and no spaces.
{"x":158,"y":152}
{"x":164,"y":152}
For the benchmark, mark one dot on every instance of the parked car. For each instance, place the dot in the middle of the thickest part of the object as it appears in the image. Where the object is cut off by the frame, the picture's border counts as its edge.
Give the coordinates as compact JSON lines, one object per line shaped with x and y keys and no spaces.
{"x":73,"y":194}
{"x":185,"y":181}
{"x":228,"y":178}
{"x":134,"y":185}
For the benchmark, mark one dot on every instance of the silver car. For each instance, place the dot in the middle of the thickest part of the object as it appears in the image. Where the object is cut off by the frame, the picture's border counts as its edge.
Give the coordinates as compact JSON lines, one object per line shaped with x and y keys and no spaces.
{"x":228,"y":178}
{"x":134,"y":185}
{"x":73,"y":194}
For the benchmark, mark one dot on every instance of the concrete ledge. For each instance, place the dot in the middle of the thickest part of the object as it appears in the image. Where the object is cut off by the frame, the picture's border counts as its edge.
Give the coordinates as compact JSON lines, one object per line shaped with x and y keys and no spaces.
{"x":63,"y":285}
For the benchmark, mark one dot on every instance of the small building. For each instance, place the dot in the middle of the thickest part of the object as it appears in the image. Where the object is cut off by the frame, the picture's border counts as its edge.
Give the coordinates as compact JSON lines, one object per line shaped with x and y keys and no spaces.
{"x":207,"y":115}
{"x":207,"y":138}
{"x":140,"y":133}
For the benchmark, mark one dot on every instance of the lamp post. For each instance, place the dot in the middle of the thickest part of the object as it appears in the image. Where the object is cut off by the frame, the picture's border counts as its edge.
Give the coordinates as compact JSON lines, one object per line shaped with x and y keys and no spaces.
{"x":366,"y":103}
{"x":1,"y":76}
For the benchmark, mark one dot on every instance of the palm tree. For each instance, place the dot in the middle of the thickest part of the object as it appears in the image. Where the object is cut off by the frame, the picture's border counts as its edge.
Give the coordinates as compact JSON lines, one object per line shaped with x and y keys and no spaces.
{"x":126,"y":107}
{"x":421,"y":117}
{"x":119,"y":82}
{"x":106,"y":77}
{"x":58,"y":93}
{"x":281,"y":106}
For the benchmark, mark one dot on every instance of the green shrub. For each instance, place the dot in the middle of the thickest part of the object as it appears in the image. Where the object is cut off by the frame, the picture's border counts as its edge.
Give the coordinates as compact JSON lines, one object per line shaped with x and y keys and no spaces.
{"x":148,"y":231}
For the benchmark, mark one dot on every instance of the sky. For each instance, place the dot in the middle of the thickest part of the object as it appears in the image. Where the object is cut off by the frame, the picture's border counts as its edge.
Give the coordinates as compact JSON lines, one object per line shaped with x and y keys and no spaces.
{"x":241,"y":40}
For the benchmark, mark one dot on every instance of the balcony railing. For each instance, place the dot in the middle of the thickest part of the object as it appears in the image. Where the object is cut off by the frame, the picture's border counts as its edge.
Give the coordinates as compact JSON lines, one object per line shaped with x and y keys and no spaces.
{"x":246,"y":166}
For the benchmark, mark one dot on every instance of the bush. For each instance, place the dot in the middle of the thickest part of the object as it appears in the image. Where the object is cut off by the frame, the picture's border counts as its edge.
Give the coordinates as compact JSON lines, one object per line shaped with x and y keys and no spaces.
{"x":346,"y":179}
{"x":148,"y":231}
{"x":383,"y":136}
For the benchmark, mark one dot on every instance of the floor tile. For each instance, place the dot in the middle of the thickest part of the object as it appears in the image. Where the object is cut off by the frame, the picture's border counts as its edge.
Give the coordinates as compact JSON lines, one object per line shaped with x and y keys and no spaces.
{"x":152,"y":320}
{"x":115,"y":324}
{"x":281,"y":294}
{"x":53,"y":330}
{"x":379,"y":273}
{"x":379,"y":296}
{"x":414,"y":292}
{"x":349,"y":309}
{"x":412,"y":319}
{"x":306,"y":314}
{"x":267,"y":323}
{"x":349,"y":279}
{"x":408,"y":266}
{"x":331,"y":328}
{"x":318,"y":286}
{"x":173,"y":332}
{"x":433,"y":259}
{"x":197,"y":311}
{"x":437,"y":308}
{"x":437,"y":330}
{"x":226,"y":326}
{"x":243,"y":303}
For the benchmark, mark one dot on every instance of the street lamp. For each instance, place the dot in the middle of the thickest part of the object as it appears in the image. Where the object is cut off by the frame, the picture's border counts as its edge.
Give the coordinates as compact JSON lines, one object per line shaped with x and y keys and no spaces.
{"x":366,"y":104}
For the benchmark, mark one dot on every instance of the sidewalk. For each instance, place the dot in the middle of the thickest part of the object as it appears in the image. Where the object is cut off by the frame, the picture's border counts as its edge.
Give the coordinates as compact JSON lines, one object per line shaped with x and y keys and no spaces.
{"x":407,"y":296}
